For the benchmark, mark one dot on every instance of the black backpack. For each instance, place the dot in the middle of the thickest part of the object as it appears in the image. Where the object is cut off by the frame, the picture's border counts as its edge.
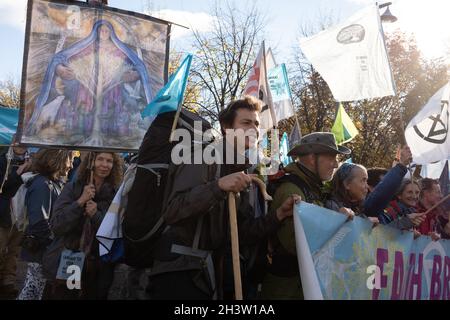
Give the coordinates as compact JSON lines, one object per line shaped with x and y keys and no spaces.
{"x":142,"y":220}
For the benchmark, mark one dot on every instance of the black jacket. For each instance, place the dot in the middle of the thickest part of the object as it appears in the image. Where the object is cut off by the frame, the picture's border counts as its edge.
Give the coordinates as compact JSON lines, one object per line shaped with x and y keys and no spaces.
{"x":193,"y":194}
{"x":68,"y":220}
{"x":39,"y":200}
{"x":68,"y":217}
{"x":12,"y":184}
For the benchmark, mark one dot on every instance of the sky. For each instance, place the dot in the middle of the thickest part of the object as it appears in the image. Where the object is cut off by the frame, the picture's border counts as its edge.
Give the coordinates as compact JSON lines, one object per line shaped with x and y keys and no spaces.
{"x":425,"y":19}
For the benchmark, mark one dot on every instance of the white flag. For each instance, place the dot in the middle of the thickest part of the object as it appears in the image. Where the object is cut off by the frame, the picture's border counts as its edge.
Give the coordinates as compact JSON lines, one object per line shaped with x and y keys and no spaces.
{"x":257,"y":86}
{"x":433,"y":170}
{"x":427,"y":132}
{"x":352,"y":57}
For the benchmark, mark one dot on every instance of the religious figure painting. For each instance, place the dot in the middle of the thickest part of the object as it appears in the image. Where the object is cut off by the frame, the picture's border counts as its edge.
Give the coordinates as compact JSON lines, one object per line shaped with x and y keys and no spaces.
{"x":88,"y":74}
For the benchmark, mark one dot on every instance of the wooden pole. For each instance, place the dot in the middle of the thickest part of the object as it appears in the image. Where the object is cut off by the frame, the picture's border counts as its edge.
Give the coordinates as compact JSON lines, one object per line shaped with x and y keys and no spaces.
{"x":235,"y":246}
{"x":438,"y":204}
{"x":174,"y":124}
{"x":91,"y":167}
{"x":235,"y":235}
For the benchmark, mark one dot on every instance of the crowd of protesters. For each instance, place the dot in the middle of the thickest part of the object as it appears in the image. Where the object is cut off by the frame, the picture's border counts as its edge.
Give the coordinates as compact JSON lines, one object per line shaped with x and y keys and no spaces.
{"x":65,"y":206}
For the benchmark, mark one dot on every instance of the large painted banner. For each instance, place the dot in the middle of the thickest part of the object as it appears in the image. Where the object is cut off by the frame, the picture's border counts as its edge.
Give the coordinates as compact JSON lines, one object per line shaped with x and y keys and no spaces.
{"x":342,"y":259}
{"x":88,"y":72}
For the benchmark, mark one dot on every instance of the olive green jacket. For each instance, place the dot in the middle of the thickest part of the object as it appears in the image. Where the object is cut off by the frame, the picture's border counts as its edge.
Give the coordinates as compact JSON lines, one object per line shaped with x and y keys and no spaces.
{"x":276,"y":287}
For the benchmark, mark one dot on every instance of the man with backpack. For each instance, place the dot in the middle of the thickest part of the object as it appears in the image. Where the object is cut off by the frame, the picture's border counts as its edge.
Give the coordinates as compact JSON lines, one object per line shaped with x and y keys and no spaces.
{"x":316,"y":161}
{"x":12,"y":165}
{"x":189,"y":253}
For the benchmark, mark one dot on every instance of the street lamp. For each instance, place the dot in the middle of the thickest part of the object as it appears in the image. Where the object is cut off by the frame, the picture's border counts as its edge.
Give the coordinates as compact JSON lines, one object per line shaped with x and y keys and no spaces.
{"x":387,"y":16}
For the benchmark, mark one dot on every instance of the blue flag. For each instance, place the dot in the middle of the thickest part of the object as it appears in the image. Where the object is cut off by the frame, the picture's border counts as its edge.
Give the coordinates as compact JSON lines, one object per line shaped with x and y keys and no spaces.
{"x":284,"y":149}
{"x":8,"y":124}
{"x":170,"y":97}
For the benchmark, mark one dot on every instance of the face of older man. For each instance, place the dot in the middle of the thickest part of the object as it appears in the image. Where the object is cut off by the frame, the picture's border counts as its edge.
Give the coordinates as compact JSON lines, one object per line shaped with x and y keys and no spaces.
{"x":326,"y":164}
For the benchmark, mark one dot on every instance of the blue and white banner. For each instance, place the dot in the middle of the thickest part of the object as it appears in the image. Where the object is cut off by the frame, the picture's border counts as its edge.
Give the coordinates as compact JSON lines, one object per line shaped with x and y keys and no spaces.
{"x":342,"y":259}
{"x":280,"y":91}
{"x":8,"y":124}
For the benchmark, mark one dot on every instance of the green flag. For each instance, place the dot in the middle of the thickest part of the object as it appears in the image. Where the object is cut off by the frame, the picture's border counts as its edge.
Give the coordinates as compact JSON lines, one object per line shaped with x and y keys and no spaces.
{"x":343,"y":128}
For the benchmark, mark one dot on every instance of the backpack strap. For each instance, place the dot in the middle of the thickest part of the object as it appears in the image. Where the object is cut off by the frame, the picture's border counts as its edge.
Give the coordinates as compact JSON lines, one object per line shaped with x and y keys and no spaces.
{"x":196,"y":252}
{"x":301,"y":184}
{"x":280,"y":261}
{"x":198,"y":228}
{"x":159,"y":223}
{"x":151,"y":166}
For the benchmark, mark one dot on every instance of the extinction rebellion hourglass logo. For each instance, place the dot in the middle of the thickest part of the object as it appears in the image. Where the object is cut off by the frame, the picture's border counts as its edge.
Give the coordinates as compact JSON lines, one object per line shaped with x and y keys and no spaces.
{"x":439,"y":127}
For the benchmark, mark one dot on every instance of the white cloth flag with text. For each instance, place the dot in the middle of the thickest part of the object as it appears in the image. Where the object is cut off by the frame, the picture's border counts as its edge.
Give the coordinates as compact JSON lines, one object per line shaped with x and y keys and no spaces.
{"x":352,"y":57}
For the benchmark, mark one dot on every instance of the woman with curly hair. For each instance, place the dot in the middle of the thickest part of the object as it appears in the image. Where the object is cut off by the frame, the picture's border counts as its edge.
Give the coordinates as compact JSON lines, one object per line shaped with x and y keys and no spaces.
{"x":50,"y":166}
{"x":77,"y":216}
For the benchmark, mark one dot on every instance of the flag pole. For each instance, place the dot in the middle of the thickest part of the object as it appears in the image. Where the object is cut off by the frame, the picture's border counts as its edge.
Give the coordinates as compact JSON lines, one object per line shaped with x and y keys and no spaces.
{"x":438,"y":204}
{"x":296,"y":119}
{"x":180,"y":102}
{"x":396,"y":98}
{"x":276,"y":145}
{"x":174,"y":124}
{"x":269,"y":95}
{"x":403,"y":141}
{"x":292,"y":102}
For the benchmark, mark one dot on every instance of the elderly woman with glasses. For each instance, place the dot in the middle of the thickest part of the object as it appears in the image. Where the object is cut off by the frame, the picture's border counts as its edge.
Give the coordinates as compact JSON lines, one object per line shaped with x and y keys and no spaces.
{"x":350,"y":192}
{"x":349,"y":189}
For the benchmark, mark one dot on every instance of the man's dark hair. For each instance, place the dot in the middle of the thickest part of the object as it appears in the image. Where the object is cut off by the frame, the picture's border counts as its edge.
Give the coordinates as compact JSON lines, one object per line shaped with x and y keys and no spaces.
{"x":374,"y":176}
{"x":427,"y":184}
{"x":227,"y":115}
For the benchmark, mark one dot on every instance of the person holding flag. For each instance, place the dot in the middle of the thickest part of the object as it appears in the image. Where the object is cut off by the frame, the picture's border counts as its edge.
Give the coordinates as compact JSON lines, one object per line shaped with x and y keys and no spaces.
{"x":77,"y":214}
{"x":192,"y":255}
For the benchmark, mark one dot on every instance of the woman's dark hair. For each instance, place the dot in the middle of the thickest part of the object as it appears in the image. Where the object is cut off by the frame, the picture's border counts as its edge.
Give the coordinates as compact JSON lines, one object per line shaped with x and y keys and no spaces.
{"x":114,"y":178}
{"x":345,"y":173}
{"x":47,"y":162}
{"x":227,"y":116}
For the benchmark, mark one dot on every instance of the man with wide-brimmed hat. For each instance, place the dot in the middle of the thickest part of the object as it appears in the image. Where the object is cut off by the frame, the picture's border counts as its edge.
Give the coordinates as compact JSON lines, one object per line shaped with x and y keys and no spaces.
{"x":316,"y":160}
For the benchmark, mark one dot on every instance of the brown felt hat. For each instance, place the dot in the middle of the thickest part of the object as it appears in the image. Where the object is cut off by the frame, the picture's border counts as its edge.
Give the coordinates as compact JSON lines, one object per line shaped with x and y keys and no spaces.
{"x":318,"y":142}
